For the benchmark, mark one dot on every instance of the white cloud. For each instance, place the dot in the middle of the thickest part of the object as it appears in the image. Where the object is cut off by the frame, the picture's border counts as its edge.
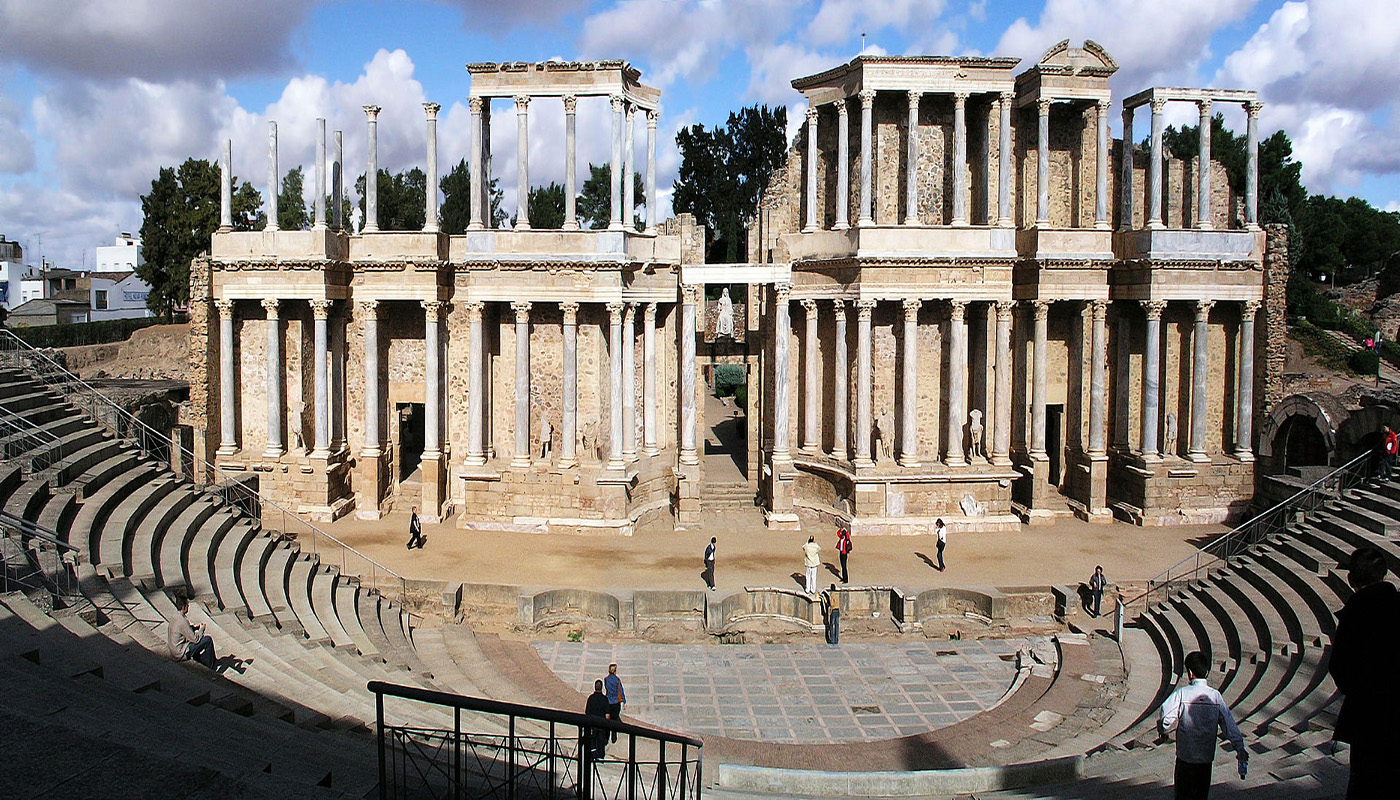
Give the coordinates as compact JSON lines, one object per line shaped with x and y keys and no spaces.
{"x":17,"y":154}
{"x":772,"y":69}
{"x":499,"y":16}
{"x":837,"y":21}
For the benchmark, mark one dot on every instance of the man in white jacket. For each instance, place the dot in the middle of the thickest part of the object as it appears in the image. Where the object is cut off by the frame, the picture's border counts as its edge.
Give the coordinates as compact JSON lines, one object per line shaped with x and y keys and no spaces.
{"x":1197,"y":712}
{"x":189,"y":640}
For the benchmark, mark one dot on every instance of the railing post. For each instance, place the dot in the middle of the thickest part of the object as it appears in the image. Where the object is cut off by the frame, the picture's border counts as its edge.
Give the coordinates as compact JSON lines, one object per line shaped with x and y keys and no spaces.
{"x":661,"y":772}
{"x":685,"y":766}
{"x":553,"y":742}
{"x":510,"y":761}
{"x":585,"y":763}
{"x":379,"y":725}
{"x":631,"y":766}
{"x":457,"y":752}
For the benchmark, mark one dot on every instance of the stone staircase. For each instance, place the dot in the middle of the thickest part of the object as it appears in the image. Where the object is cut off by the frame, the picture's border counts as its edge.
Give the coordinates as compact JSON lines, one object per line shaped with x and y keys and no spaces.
{"x":726,"y":496}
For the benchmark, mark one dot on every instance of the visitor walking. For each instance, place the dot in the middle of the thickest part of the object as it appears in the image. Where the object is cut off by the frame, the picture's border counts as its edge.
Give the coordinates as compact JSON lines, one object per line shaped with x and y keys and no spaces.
{"x":415,"y":530}
{"x":942,"y":531}
{"x":1390,"y":443}
{"x":831,"y":605}
{"x":188,"y":640}
{"x":843,"y":547}
{"x":811,"y":559}
{"x":1364,"y":654}
{"x":597,"y":706}
{"x":1096,"y":587}
{"x":617,"y":698}
{"x":710,"y":564}
{"x":1197,"y":711}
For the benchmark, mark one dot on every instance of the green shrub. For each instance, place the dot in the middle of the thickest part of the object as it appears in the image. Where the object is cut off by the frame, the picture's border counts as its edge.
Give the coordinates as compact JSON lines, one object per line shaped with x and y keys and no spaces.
{"x":727,"y":379}
{"x":76,"y":334}
{"x":1364,"y":362}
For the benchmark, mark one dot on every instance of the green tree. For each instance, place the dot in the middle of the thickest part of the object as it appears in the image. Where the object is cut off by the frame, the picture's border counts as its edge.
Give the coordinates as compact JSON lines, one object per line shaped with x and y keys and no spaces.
{"x":725,"y":169}
{"x":180,"y":213}
{"x":455,"y":213}
{"x":594,"y":203}
{"x":1225,"y":147}
{"x":401,"y":201}
{"x":547,"y":206}
{"x":292,"y":214}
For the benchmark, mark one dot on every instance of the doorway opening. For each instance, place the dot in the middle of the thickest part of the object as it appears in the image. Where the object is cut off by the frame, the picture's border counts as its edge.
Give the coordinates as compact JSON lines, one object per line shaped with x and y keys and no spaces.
{"x":410,"y":442}
{"x":1054,"y":441}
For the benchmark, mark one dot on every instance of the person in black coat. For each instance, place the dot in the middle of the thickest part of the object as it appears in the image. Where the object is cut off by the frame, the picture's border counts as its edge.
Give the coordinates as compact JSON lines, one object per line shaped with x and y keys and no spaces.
{"x":597,"y":706}
{"x":1365,"y":649}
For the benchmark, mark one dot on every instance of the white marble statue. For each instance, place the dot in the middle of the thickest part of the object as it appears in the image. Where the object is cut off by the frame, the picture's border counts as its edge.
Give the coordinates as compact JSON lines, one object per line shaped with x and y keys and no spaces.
{"x":975,"y":428}
{"x":884,"y":435}
{"x":546,"y":438}
{"x":724,"y":325}
{"x":1169,"y":443}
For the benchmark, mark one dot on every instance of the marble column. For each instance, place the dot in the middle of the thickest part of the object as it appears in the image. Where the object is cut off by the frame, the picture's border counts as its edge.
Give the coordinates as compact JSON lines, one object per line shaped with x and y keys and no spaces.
{"x":1005,"y":165}
{"x":867,"y":136}
{"x":1125,"y":182}
{"x":1200,"y":372}
{"x":653,"y":216}
{"x":1151,"y":378}
{"x":275,"y":448}
{"x":1203,"y":219}
{"x":226,"y":188}
{"x":319,"y":202}
{"x":615,"y":385}
{"x":615,"y":165}
{"x":810,"y":385}
{"x":432,"y":392}
{"x":840,"y":423}
{"x":649,"y":381}
{"x":1098,"y":378}
{"x":476,"y":390}
{"x":1251,"y":173}
{"x":782,"y":333}
{"x":320,"y":313}
{"x":369,"y":311}
{"x":911,"y":162}
{"x":811,"y":191}
{"x":1154,"y":168}
{"x":338,"y":183}
{"x":1244,"y":403}
{"x":474,"y":221}
{"x":629,"y":382}
{"x":568,"y":424}
{"x":570,"y":162}
{"x":1042,"y":164}
{"x":1101,"y":167}
{"x":960,"y":159}
{"x":957,"y":381}
{"x":690,"y":297}
{"x":1001,"y":429}
{"x":372,"y":171}
{"x":909,"y":397}
{"x":273,"y":176}
{"x":228,"y":421}
{"x":522,"y":384}
{"x":1040,"y":309}
{"x":629,"y":169}
{"x":430,"y":224}
{"x":843,"y":166}
{"x":864,"y":308}
{"x":522,"y":162}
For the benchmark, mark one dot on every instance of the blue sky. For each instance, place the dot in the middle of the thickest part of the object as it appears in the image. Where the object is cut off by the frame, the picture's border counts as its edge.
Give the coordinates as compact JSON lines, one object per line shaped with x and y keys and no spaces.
{"x":96,"y":95}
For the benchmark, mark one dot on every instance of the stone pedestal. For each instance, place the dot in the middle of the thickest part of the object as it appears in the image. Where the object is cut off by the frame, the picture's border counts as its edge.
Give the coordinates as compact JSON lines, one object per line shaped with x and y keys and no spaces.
{"x":373,"y":480}
{"x":1041,"y":494}
{"x":434,"y":490}
{"x":1098,"y":510}
{"x":687,"y":497}
{"x":781,"y":512}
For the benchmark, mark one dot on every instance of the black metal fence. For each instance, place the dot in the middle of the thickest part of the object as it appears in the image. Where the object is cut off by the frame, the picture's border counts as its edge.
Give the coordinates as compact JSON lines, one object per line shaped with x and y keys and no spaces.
{"x":494,"y":749}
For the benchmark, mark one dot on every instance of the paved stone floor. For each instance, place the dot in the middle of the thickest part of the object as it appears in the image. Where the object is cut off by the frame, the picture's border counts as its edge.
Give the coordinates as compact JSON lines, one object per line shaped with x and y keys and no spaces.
{"x":797,"y":694}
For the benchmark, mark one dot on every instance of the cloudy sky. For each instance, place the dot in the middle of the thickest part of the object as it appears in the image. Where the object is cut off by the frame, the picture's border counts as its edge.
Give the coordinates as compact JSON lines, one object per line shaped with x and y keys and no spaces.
{"x":97,"y":95}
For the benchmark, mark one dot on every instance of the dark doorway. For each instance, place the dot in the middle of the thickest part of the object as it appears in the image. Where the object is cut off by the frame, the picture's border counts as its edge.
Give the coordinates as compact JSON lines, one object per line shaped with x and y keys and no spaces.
{"x":410,"y":420}
{"x":1301,"y":443}
{"x":1054,"y":437}
{"x":725,"y":413}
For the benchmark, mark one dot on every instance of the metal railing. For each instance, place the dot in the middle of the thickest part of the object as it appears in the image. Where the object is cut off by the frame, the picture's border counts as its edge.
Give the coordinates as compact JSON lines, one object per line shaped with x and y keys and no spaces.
{"x":1275,"y":520}
{"x":34,"y":560}
{"x":232,"y":487}
{"x":20,"y":439}
{"x":533,"y":753}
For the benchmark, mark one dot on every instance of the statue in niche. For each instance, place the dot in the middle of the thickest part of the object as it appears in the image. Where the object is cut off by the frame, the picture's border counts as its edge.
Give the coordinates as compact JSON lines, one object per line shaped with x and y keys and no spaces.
{"x":974,"y":427}
{"x":546,"y":438}
{"x":1169,"y":442}
{"x":357,"y":218}
{"x":298,"y":409}
{"x":591,"y":445}
{"x":724,"y":325}
{"x":884,"y":435}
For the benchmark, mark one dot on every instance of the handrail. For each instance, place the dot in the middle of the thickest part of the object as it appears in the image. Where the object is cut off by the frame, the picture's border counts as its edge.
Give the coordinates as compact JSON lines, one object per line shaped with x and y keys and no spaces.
{"x":1164,"y":581}
{"x":36,"y":531}
{"x":48,"y":367}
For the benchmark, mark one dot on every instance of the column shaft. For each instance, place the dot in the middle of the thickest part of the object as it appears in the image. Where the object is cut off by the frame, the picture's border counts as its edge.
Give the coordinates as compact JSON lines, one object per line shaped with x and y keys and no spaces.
{"x":1244,"y":406}
{"x":1001,"y":429}
{"x":476,"y":391}
{"x":1004,"y":163}
{"x":690,"y":296}
{"x":629,"y":382}
{"x":911,"y":162}
{"x":1098,"y":379}
{"x":649,"y":381}
{"x":843,"y":166}
{"x":568,"y":425}
{"x":1154,"y":169}
{"x":273,"y":176}
{"x":811,"y":388}
{"x":1101,"y":167}
{"x":522,"y":384}
{"x":228,"y":422}
{"x":1203,"y":220}
{"x":615,"y":386}
{"x":782,"y":333}
{"x":369,"y":309}
{"x":1200,"y":371}
{"x":615,"y":166}
{"x":432,"y":393}
{"x":1251,"y":173}
{"x":522,"y":162}
{"x":653,"y":214}
{"x":811,"y":191}
{"x":274,"y":380}
{"x":1125,"y":181}
{"x":1041,"y":311}
{"x":319,"y":203}
{"x":960,"y":158}
{"x":570,"y":165}
{"x":864,"y":308}
{"x":629,"y":170}
{"x":957,"y":381}
{"x":338,"y":183}
{"x":320,"y":311}
{"x":226,"y":187}
{"x":1042,"y":165}
{"x":841,"y":401}
{"x":867,"y":133}
{"x":1151,"y":378}
{"x":372,"y":170}
{"x":474,"y":221}
{"x":909,"y":397}
{"x":430,"y":223}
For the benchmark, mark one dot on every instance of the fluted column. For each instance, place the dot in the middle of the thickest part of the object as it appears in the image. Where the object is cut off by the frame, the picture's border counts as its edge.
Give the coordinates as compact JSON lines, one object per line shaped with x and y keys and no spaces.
{"x":432,"y":393}
{"x":909,"y":397}
{"x":273,"y":176}
{"x":1244,"y":403}
{"x":568,"y":424}
{"x":811,"y":191}
{"x":228,"y":422}
{"x":649,"y":381}
{"x":615,"y":165}
{"x":782,"y":333}
{"x":615,"y":385}
{"x":1040,"y":310}
{"x":653,"y":216}
{"x":629,"y":382}
{"x":1151,"y":378}
{"x":319,"y":203}
{"x":369,"y":311}
{"x":274,"y":380}
{"x":1101,"y":167}
{"x":864,"y":308}
{"x":522,"y":383}
{"x":867,"y":135}
{"x":1004,"y":162}
{"x":372,"y":170}
{"x":1001,"y":430}
{"x":338,"y":183}
{"x":960,"y":158}
{"x":1200,"y":371}
{"x":1125,"y":182}
{"x":690,"y":297}
{"x":957,"y":380}
{"x":522,"y":162}
{"x":840,"y":423}
{"x":1098,"y":379}
{"x":570,"y":162}
{"x":1042,"y":164}
{"x":474,"y":222}
{"x":629,"y":168}
{"x":1203,"y":220}
{"x":476,"y":400}
{"x":430,"y":223}
{"x":911,"y":159}
{"x":226,"y":187}
{"x":843,"y":166}
{"x":810,"y":443}
{"x":1154,"y":169}
{"x":320,"y":313}
{"x":1251,"y":173}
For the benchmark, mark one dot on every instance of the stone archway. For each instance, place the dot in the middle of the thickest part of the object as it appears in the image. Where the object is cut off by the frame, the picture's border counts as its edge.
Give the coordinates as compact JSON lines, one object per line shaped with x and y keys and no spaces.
{"x":1301,"y":430}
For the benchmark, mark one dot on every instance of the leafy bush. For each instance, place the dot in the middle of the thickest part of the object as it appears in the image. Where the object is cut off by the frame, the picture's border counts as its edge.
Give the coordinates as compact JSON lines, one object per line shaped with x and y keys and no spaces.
{"x":727,"y":379}
{"x":83,"y":333}
{"x":1364,"y":362}
{"x":1320,"y":346}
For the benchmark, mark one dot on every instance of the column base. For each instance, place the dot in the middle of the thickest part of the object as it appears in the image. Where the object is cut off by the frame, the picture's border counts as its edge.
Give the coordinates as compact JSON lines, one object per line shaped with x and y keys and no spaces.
{"x":651,"y":450}
{"x":369,"y":229}
{"x":434,"y":488}
{"x":226,"y":450}
{"x":1001,"y":460}
{"x":273,"y":453}
{"x":909,"y":461}
{"x":687,"y":497}
{"x":1198,"y":458}
{"x":477,"y":226}
{"x":649,"y":230}
{"x":629,"y":455}
{"x":616,"y":226}
{"x":1102,"y":225}
{"x":841,"y":226}
{"x":689,"y":458}
{"x":520,"y":462}
{"x":863,"y":461}
{"x":1005,"y":222}
{"x":1155,"y":225}
{"x":865,"y":222}
{"x":1244,"y":455}
{"x":475,"y":460}
{"x":959,"y":223}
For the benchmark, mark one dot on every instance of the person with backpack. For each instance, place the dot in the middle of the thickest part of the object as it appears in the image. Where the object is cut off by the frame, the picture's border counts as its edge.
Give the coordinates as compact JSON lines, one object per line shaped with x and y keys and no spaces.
{"x":843,"y":547}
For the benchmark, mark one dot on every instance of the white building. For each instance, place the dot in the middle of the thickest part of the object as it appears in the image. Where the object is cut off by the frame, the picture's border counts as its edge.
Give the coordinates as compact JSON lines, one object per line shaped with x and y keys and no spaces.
{"x":122,"y":256}
{"x":117,"y":295}
{"x":13,"y":273}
